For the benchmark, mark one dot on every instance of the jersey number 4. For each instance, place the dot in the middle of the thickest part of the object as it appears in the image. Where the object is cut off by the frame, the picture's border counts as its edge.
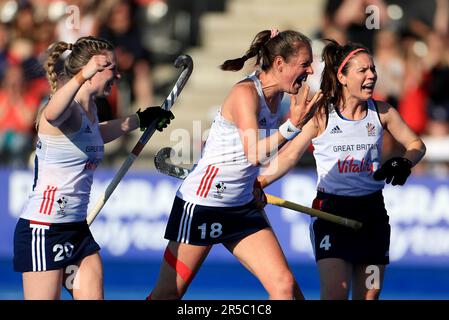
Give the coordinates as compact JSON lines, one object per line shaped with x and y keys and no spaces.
{"x":325,"y":243}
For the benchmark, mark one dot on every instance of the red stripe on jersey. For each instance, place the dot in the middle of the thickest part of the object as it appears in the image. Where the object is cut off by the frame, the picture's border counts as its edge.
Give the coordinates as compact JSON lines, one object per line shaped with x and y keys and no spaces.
{"x":52,"y":201}
{"x":41,"y":223}
{"x":44,"y":200}
{"x":202,"y":180}
{"x":206,"y":182}
{"x":48,"y":201}
{"x":210,"y":181}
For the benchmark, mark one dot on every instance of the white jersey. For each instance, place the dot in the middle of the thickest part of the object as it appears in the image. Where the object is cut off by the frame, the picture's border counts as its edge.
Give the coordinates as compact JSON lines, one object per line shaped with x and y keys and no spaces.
{"x":348,"y":152}
{"x":64,"y":167}
{"x":223,"y":177}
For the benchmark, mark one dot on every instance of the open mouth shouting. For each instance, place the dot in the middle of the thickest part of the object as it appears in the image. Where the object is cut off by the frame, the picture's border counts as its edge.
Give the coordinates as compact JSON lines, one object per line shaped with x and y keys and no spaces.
{"x":368,"y":87}
{"x":300,"y":80}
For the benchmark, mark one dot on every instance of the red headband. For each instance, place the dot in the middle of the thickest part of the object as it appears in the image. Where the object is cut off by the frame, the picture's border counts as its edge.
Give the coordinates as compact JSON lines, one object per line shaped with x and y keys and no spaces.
{"x":353,"y":52}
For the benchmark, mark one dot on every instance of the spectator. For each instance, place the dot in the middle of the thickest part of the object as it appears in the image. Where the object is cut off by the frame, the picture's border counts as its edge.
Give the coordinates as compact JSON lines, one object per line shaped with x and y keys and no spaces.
{"x":350,"y":17}
{"x":4,"y":40}
{"x":24,"y":24}
{"x":389,"y":65}
{"x":131,"y":55}
{"x":438,"y":95}
{"x":17,"y":113}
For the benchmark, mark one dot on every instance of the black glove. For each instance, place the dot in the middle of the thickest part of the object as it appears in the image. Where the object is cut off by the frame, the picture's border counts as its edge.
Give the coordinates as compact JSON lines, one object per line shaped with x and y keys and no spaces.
{"x":396,"y":170}
{"x":150,"y":114}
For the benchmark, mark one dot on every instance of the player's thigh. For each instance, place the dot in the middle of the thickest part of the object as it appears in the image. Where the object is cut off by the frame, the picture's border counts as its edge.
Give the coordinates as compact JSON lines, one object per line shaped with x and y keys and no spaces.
{"x":44,"y":285}
{"x":335,"y":278}
{"x":180,"y":263}
{"x":261,"y":253}
{"x":85,"y":280}
{"x":367,"y":281}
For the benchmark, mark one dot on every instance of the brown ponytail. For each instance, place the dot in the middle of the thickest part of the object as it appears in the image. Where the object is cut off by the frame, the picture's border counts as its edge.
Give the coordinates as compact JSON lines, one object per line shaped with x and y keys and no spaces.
{"x":265,"y":48}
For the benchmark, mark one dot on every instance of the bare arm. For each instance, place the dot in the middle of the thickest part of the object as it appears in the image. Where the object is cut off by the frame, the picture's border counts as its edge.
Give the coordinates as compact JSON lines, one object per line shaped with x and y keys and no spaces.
{"x":113,"y":129}
{"x":289,"y":156}
{"x":242,"y":106}
{"x":57,"y":110}
{"x":393,"y":122}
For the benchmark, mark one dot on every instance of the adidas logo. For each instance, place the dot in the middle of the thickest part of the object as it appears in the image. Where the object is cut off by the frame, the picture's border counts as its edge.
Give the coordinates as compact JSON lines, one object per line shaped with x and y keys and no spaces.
{"x":88,"y":130}
{"x":263,"y":122}
{"x":336,"y":129}
{"x":290,"y":130}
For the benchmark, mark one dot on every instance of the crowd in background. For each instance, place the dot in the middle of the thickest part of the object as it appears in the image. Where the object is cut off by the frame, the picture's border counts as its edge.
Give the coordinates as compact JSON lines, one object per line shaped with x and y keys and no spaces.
{"x":410,"y":46}
{"x":144,"y":32}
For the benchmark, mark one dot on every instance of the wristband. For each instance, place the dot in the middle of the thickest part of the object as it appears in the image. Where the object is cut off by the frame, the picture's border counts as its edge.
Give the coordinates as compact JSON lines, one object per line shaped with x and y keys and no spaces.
{"x":80,"y":78}
{"x":288,"y":130}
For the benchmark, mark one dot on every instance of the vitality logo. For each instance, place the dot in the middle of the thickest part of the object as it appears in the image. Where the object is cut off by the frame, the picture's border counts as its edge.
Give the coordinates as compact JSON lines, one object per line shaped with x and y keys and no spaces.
{"x":351,"y":165}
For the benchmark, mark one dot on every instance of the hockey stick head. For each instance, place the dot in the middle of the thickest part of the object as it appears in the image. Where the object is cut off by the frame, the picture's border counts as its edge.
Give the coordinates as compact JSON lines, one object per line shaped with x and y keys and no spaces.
{"x":160,"y":161}
{"x":184,"y":61}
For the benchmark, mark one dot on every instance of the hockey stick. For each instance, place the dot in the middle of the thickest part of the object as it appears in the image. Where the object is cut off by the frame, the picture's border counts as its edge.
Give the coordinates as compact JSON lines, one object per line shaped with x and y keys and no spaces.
{"x":185,"y":62}
{"x":160,"y":161}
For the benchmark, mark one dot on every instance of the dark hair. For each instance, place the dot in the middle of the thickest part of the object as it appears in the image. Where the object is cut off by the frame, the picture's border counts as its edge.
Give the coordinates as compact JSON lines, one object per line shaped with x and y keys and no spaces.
{"x":333,"y":55}
{"x":82,"y":50}
{"x":265,"y":48}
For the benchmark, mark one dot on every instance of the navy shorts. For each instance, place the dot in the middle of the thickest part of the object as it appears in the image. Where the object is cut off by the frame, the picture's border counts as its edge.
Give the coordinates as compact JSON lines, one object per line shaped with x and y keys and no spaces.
{"x":41,"y":246}
{"x":368,"y":245}
{"x":204,"y":225}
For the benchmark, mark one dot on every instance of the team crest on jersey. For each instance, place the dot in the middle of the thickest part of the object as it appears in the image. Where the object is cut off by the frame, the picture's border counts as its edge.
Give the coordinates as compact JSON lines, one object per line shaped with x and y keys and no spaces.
{"x":61,"y":203}
{"x":263,"y":122}
{"x":371,"y":129}
{"x":219,"y":190}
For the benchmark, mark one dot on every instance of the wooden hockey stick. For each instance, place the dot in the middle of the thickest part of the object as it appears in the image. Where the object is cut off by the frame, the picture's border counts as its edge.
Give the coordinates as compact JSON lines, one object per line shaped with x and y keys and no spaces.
{"x":160,"y":161}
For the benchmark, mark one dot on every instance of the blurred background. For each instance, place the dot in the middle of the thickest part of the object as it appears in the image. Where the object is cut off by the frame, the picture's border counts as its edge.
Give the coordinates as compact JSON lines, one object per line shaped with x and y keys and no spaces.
{"x":409,"y":41}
